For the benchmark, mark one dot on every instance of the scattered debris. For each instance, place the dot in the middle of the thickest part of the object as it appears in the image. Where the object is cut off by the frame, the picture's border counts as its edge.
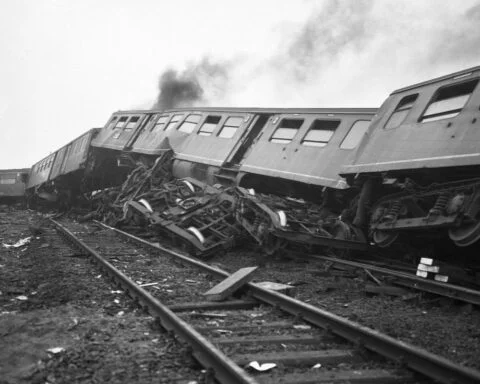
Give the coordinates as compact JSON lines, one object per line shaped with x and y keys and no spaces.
{"x":148,"y":284}
{"x":302,"y":327}
{"x":19,"y":243}
{"x":56,"y":350}
{"x":262,"y":367}
{"x":232,"y":283}
{"x":370,"y":275}
{"x":223,"y":331}
{"x":277,"y":287}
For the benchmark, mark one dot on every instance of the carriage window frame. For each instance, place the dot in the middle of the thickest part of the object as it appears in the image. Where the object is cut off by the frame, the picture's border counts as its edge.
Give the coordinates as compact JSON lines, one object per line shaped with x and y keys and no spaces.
{"x":320,"y":125}
{"x":171,"y":124}
{"x":112,"y":122}
{"x":211,"y":126}
{"x":121,"y":122}
{"x":159,"y":126}
{"x":438,"y":98}
{"x":278,"y":138}
{"x":131,"y":124}
{"x":6,"y":179}
{"x":229,"y":129}
{"x":188,"y":126}
{"x":351,"y":133}
{"x":404,"y":106}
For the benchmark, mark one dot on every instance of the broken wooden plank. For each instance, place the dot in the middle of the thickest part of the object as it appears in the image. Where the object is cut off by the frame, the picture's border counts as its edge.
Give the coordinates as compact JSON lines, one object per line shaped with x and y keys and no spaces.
{"x":208,"y":306}
{"x":233,"y":282}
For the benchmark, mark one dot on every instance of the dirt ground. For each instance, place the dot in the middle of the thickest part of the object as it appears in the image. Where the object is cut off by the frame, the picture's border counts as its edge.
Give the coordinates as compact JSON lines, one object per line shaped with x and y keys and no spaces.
{"x":52,"y":297}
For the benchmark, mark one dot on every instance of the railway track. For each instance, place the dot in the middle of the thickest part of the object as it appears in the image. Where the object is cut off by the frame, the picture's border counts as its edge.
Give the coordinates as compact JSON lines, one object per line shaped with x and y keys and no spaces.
{"x":265,"y":327}
{"x":409,"y":280}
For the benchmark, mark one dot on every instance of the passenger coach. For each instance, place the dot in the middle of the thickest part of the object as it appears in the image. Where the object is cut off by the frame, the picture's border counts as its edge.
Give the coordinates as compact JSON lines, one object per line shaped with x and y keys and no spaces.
{"x":424,"y":147}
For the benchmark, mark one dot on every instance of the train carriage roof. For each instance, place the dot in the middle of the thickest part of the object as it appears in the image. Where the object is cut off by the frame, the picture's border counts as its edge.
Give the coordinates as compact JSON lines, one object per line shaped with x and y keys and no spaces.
{"x":458,"y":74}
{"x":256,"y":110}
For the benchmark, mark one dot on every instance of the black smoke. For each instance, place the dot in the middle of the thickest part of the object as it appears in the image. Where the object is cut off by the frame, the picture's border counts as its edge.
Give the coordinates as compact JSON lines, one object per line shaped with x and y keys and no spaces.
{"x":177,"y":89}
{"x":198,"y":83}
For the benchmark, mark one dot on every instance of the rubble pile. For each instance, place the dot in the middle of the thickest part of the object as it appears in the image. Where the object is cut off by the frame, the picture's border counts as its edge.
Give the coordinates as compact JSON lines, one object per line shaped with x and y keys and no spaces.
{"x":206,"y":219}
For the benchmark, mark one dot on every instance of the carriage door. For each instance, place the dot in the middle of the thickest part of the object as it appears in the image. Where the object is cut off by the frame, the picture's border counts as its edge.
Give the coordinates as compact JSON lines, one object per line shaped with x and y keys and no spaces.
{"x":140,"y":129}
{"x":247,"y":140}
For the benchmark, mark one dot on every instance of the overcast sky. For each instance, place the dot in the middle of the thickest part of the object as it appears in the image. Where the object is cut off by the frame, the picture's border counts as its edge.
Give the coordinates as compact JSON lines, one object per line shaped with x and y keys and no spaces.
{"x":66,"y":65}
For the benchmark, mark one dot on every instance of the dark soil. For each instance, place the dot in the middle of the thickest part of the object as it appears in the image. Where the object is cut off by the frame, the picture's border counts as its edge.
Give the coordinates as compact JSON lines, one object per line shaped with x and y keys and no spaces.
{"x":51,"y":296}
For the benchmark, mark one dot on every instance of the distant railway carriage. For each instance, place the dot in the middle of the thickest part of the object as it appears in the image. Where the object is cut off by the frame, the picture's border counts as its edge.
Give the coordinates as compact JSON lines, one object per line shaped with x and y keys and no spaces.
{"x":420,"y":162}
{"x":12,"y":183}
{"x":63,"y":171}
{"x":40,"y":172}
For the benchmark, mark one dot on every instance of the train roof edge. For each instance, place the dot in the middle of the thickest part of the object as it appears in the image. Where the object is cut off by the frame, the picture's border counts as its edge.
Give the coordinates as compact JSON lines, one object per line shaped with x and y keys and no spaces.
{"x":463,"y":72}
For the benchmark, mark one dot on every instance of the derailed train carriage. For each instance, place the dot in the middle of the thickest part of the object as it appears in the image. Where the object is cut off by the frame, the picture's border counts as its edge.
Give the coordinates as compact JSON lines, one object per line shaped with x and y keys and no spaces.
{"x":289,"y":152}
{"x":318,"y":177}
{"x":419,"y":165}
{"x":59,"y":176}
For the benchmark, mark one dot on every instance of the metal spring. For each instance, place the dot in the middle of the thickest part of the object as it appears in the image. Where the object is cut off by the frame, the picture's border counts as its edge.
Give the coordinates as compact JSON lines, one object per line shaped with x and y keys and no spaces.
{"x":440,"y":204}
{"x":394,"y":210}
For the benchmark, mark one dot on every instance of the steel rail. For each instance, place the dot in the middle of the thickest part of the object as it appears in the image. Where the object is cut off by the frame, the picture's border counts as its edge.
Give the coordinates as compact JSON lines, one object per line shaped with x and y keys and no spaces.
{"x":417,"y":359}
{"x":225,"y":370}
{"x":411,"y":281}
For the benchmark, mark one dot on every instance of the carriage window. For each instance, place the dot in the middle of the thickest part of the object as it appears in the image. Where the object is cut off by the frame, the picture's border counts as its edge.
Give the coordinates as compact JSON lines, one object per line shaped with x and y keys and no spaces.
{"x":448,"y":101}
{"x":121,"y":122}
{"x":112,"y":122}
{"x":209,"y":125}
{"x":286,"y":131}
{"x":320,"y":133}
{"x":162,"y":120}
{"x":8,"y":179}
{"x":355,"y":134}
{"x":401,"y":112}
{"x":190,"y":123}
{"x":131,"y":123}
{"x":230,"y":127}
{"x":173,"y":122}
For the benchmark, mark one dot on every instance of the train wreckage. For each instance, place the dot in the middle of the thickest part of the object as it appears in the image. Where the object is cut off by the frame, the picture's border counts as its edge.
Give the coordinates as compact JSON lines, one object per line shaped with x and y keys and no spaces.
{"x":303,"y":178}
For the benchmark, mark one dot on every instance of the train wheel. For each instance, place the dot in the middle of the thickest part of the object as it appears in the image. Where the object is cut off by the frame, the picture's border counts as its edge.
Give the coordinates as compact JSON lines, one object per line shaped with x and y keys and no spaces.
{"x":384,"y":238}
{"x":465,"y":235}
